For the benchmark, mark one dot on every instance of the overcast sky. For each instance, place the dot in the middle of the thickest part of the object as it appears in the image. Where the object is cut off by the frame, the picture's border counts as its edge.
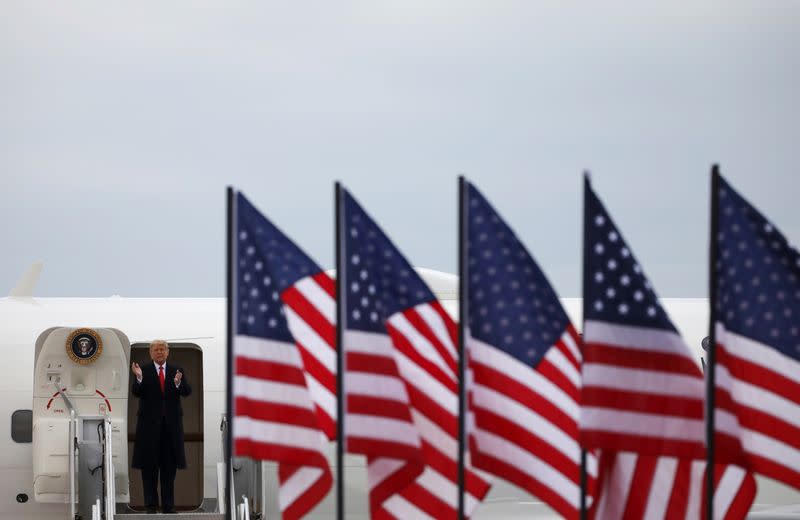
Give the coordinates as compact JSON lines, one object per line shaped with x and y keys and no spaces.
{"x":122,"y":123}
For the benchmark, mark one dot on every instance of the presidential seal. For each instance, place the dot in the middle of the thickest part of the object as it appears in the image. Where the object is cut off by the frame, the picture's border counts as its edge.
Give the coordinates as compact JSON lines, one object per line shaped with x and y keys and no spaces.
{"x":84,"y":346}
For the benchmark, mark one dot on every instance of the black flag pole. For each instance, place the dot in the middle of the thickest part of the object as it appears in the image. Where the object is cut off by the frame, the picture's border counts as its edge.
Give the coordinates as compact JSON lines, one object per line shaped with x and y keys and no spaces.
{"x":229,"y":287}
{"x":711,"y":354}
{"x":462,"y":326}
{"x":340,"y":361}
{"x":584,"y":282}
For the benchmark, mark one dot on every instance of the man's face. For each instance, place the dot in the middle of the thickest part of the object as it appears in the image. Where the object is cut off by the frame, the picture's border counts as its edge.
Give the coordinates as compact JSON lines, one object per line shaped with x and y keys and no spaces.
{"x":159,"y":352}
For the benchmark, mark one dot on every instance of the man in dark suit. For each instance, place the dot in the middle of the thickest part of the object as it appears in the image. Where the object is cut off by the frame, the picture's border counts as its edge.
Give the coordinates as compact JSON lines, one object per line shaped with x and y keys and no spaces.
{"x":158,"y":448}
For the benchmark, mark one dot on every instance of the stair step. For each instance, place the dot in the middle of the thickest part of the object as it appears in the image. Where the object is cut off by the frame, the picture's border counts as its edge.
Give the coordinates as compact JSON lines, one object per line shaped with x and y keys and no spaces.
{"x":189,"y":515}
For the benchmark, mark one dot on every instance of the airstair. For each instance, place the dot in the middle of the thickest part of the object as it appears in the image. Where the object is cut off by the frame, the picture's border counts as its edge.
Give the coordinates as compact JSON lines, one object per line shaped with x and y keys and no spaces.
{"x":242,"y":474}
{"x":91,"y":473}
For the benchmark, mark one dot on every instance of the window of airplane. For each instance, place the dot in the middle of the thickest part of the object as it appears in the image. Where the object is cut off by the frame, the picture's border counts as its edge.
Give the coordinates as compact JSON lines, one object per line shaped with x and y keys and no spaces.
{"x":22,"y":426}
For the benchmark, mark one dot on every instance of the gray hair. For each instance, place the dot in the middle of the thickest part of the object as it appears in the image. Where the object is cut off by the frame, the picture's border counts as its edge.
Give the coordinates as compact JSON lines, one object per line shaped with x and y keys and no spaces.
{"x":159,"y":342}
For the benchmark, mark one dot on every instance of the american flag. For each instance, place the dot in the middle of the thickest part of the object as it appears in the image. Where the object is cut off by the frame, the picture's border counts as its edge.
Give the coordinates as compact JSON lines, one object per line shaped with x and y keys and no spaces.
{"x":642,"y":392}
{"x":525,"y":364}
{"x":637,"y":486}
{"x":401,"y":379}
{"x":284,"y":360}
{"x":757,"y":328}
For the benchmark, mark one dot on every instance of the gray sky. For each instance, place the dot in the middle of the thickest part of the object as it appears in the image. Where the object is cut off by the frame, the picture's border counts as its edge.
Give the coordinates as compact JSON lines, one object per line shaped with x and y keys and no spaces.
{"x":122,"y":123}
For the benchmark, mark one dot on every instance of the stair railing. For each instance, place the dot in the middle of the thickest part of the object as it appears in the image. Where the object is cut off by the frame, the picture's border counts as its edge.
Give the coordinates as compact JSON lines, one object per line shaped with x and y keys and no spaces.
{"x":244,"y":509}
{"x":231,"y":492}
{"x":109,"y":488}
{"x":222,"y":467}
{"x":73,"y":443}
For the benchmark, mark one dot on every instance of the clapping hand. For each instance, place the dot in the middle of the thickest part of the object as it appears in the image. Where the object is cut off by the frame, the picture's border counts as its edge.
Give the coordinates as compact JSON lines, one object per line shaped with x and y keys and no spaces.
{"x":178,"y":377}
{"x":137,"y":370}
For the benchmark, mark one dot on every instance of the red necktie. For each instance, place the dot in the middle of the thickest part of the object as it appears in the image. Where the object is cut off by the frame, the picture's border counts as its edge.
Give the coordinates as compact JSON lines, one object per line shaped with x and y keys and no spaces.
{"x":161,"y":377}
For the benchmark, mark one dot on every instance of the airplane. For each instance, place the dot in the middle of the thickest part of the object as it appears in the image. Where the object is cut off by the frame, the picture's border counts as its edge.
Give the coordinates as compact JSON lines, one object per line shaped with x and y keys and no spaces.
{"x":37,"y":339}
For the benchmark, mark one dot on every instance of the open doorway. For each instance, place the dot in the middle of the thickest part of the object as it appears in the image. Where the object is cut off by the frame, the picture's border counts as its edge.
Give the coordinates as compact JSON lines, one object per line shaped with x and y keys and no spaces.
{"x":188,"y":482}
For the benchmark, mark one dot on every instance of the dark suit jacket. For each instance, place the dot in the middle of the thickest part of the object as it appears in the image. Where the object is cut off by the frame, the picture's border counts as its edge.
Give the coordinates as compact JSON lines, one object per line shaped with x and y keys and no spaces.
{"x":149,"y":416}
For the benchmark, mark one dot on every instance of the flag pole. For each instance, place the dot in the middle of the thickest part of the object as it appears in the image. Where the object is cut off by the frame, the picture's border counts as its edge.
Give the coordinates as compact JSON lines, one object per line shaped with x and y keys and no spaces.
{"x":462,"y":325}
{"x":340,"y":360}
{"x":584,"y":282}
{"x":712,"y":340}
{"x":229,"y":344}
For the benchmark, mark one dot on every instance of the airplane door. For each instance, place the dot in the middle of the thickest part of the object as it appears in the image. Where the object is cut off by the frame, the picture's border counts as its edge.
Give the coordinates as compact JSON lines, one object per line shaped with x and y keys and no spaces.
{"x":189,"y":482}
{"x":90,"y":365}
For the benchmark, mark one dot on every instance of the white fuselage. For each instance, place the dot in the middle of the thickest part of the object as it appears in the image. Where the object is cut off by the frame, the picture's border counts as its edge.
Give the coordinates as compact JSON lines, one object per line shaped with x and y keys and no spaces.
{"x":202,"y":322}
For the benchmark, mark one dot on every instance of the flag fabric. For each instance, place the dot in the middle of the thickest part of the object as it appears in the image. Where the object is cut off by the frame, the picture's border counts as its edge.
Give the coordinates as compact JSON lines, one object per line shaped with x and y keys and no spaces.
{"x":757,"y":328}
{"x":643,"y":393}
{"x":524,"y":363}
{"x":401,"y":379}
{"x":284,"y":360}
{"x":637,"y":486}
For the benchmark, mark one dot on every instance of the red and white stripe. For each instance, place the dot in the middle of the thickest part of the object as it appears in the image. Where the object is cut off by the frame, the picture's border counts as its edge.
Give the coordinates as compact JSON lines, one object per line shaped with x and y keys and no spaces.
{"x":424,"y":350}
{"x":643,"y":405}
{"x":378,"y":420}
{"x":275,"y":420}
{"x":286,"y":396}
{"x":642,"y":388}
{"x":310,"y":309}
{"x":526,"y":420}
{"x":635,"y":487}
{"x":757,"y":412}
